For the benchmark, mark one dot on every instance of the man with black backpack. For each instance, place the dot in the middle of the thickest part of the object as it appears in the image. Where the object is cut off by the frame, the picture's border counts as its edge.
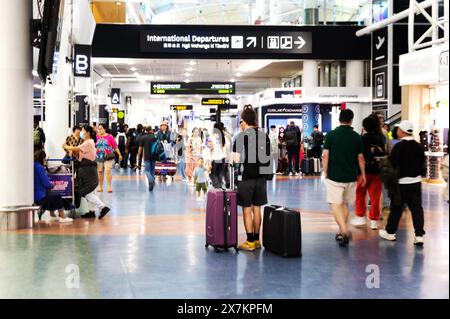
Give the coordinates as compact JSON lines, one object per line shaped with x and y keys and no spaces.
{"x":317,"y":142}
{"x":293,"y":139}
{"x":121,"y":140}
{"x":148,"y":144}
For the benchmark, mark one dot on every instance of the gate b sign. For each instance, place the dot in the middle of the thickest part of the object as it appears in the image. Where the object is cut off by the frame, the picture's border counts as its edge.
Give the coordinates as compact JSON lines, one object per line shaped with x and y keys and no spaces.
{"x":82,"y":61}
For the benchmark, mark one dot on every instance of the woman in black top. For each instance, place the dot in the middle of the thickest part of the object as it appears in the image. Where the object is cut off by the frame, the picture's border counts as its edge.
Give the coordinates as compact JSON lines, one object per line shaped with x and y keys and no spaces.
{"x":374,"y":149}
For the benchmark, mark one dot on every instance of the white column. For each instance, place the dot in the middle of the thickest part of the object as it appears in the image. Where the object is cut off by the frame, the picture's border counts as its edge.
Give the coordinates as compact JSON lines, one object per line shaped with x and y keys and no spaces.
{"x":354,"y":73}
{"x":16,"y":90}
{"x":310,"y":74}
{"x":56,"y":125}
{"x":446,"y":9}
{"x":275,"y":83}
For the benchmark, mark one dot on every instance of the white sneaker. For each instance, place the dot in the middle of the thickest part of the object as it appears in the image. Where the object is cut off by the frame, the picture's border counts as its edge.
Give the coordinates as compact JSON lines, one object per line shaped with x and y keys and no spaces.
{"x":199,"y":199}
{"x":296,"y":174}
{"x":53,"y":219}
{"x":358,"y":221}
{"x":65,"y":220}
{"x":374,"y":224}
{"x":291,"y":174}
{"x":385,"y":235}
{"x":418,"y":241}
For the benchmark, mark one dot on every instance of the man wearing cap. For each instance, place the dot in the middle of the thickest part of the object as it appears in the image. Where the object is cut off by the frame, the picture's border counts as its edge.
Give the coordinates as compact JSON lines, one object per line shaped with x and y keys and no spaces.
{"x":408,"y":157}
{"x":164,"y":133}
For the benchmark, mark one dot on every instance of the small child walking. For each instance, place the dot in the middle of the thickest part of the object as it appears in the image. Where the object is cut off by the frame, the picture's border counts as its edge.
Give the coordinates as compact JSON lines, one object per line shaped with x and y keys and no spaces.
{"x":200,"y":179}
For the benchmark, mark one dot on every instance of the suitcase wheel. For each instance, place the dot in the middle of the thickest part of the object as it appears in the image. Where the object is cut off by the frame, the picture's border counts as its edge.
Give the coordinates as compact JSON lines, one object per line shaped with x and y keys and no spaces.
{"x":217,"y":250}
{"x":236,"y":248}
{"x":206,"y":245}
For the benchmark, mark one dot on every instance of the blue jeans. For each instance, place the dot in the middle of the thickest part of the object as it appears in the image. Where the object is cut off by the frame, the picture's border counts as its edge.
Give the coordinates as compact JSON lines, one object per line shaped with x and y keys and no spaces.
{"x":150,"y":172}
{"x":182,"y":166}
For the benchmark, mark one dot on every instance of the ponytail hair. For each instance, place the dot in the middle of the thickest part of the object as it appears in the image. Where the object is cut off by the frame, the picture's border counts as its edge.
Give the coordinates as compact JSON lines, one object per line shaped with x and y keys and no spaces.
{"x":91,"y":132}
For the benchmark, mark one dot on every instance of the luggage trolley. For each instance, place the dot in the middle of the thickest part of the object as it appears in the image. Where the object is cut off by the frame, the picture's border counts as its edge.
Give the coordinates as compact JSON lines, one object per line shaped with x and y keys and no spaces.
{"x":62,"y":177}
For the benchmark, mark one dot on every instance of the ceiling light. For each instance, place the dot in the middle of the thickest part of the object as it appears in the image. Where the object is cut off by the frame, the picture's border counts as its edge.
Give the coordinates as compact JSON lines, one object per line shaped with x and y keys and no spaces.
{"x":187,"y":81}
{"x":119,"y":3}
{"x":133,"y":69}
{"x":136,"y":74}
{"x":187,"y":74}
{"x":233,"y":80}
{"x":192,"y":63}
{"x":190,"y":69}
{"x":238,"y":74}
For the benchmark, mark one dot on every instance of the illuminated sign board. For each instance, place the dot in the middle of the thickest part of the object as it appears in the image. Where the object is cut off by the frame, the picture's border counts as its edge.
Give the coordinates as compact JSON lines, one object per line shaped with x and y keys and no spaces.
{"x":193,"y":88}
{"x":180,"y":107}
{"x":215,"y":101}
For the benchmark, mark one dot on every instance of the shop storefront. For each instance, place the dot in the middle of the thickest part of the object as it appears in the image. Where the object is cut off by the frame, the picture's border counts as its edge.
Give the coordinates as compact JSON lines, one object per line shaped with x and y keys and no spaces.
{"x":424,"y":80}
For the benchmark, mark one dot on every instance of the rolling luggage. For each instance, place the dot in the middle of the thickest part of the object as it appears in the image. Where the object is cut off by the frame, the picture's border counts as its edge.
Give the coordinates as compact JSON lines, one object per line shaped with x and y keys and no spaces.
{"x":307,"y":166}
{"x":282,"y":233}
{"x":222,"y":218}
{"x":317,"y":166}
{"x":167,"y":168}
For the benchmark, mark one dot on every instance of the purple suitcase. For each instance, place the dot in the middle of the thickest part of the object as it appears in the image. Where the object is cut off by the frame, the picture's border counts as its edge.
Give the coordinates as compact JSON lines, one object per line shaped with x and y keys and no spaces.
{"x":221,"y":219}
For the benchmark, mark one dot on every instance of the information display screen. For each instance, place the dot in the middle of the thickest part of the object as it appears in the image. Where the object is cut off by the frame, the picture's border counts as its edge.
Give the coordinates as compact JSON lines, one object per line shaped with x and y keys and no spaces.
{"x":193,"y":88}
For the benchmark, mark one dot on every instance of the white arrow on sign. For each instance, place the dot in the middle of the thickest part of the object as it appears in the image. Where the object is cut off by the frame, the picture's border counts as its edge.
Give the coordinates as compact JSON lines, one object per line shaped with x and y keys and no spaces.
{"x":301,"y":43}
{"x":227,"y":101}
{"x":251,"y":41}
{"x":380,"y":42}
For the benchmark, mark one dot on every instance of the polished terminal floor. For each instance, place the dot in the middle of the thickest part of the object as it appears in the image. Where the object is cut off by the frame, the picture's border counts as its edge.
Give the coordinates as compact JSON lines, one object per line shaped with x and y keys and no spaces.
{"x":151,"y":245}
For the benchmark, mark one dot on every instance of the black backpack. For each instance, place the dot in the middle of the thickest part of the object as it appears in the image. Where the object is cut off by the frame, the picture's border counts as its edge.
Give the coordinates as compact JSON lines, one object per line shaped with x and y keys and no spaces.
{"x":290,"y":137}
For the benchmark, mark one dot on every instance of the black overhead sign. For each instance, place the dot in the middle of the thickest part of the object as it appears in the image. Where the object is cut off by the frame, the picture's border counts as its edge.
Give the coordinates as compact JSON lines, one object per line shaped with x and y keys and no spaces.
{"x":228,"y":107}
{"x":192,"y":88}
{"x":321,"y":42}
{"x":82,"y":60}
{"x":115,"y":96}
{"x":215,"y":101}
{"x":221,"y":41}
{"x":180,"y":107}
{"x":380,"y":48}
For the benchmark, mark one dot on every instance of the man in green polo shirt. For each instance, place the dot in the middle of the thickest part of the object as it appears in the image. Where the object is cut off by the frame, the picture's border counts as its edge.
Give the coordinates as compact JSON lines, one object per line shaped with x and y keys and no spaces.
{"x":343,"y":160}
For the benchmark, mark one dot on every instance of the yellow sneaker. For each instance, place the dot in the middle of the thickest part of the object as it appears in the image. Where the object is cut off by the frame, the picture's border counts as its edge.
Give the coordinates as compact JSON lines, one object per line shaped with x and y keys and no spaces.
{"x":249,"y":246}
{"x":257,"y":244}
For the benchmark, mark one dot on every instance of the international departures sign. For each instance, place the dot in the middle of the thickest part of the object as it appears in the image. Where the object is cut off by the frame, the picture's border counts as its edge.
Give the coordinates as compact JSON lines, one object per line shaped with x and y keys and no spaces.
{"x":226,"y":42}
{"x":193,"y":88}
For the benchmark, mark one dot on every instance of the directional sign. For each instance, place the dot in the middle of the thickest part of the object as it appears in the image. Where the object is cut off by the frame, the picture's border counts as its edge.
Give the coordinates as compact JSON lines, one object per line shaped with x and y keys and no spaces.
{"x":228,"y":107}
{"x":300,"y":42}
{"x":251,"y":42}
{"x":193,"y":88}
{"x":215,"y":101}
{"x":236,"y":41}
{"x":181,"y":107}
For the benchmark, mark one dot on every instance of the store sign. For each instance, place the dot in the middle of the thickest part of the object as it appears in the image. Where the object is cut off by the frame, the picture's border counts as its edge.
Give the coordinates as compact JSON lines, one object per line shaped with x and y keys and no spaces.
{"x":288,"y":94}
{"x":192,"y":88}
{"x":212,"y":111}
{"x":82,"y":61}
{"x":215,"y":101}
{"x":180,"y":107}
{"x":424,"y":67}
{"x":221,"y":41}
{"x":115,"y":96}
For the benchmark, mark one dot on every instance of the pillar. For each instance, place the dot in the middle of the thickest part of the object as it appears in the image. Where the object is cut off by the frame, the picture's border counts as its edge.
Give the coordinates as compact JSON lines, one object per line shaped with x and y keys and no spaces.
{"x":354,"y":73}
{"x":16,"y":90}
{"x":311,"y":12}
{"x":310,"y":74}
{"x":415,"y":100}
{"x":57,"y":94}
{"x":275,"y":83}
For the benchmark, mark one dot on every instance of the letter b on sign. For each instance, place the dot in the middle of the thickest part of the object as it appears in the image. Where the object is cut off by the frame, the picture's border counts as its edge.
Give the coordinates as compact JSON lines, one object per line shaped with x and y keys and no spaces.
{"x":82,"y":60}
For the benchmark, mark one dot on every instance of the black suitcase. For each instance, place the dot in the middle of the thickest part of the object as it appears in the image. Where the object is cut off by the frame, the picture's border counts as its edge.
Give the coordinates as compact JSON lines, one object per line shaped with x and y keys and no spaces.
{"x":282,"y":232}
{"x":307,"y":166}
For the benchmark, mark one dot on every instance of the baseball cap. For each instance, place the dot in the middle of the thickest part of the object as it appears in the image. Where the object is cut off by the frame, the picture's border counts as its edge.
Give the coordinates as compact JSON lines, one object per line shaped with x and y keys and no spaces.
{"x":406,"y":126}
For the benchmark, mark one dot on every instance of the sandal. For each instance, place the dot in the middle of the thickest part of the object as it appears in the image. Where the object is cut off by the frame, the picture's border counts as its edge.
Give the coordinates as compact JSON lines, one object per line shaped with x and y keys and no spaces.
{"x":339,"y":237}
